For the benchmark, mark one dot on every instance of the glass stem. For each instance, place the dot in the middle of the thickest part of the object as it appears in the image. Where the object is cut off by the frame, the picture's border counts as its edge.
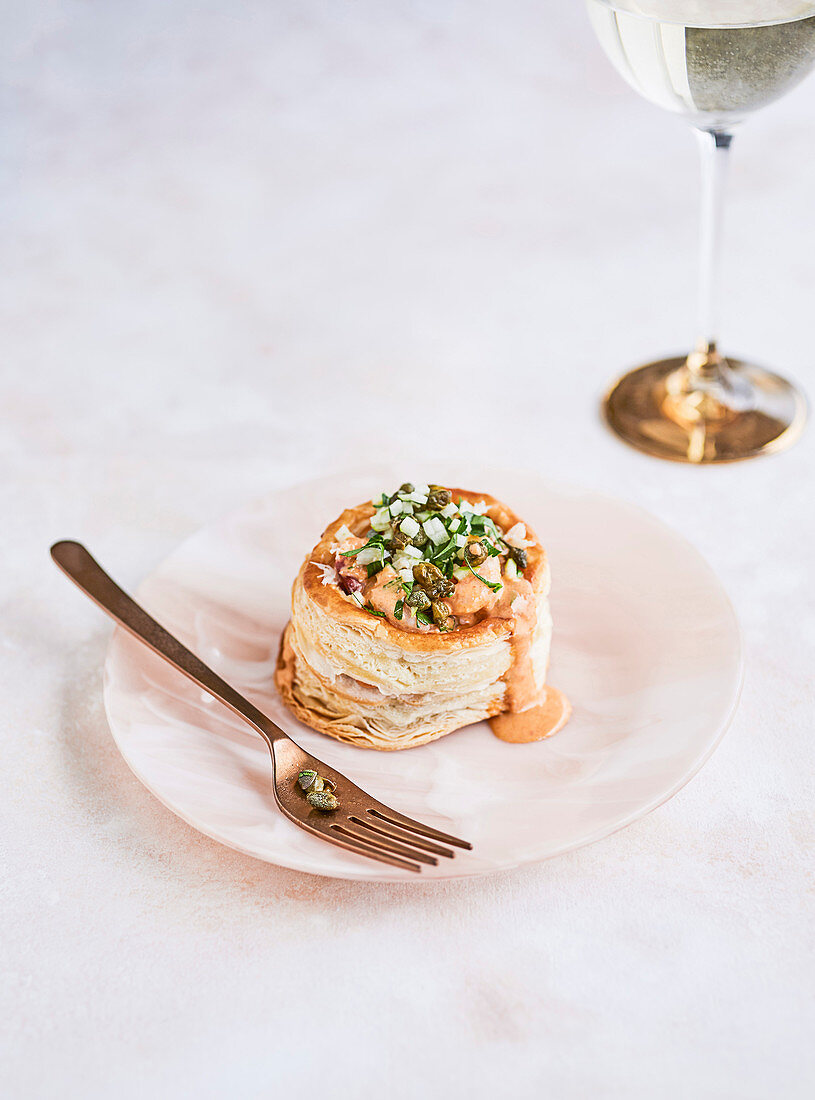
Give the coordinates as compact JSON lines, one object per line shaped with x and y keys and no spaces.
{"x":714,"y":146}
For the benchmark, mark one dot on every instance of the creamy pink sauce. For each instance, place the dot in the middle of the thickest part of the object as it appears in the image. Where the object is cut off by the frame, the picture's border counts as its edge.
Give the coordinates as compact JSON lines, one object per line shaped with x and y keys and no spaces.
{"x":385,"y":592}
{"x":472,"y":595}
{"x":536,"y":723}
{"x":382,"y":591}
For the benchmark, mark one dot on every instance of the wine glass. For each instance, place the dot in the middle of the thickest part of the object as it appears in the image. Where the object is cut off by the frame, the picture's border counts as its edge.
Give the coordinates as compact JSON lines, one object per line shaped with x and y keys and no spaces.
{"x":712,"y":61}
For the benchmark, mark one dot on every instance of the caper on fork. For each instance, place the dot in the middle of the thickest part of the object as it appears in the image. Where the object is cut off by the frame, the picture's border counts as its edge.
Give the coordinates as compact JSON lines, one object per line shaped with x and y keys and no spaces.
{"x":359,"y":823}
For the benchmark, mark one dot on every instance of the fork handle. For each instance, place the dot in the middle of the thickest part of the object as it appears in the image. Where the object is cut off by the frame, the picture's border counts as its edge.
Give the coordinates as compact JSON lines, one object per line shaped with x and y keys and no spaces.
{"x":86,"y":573}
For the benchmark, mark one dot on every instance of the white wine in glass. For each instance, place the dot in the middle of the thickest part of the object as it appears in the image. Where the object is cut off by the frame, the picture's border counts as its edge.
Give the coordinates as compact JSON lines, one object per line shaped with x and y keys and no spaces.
{"x":714,"y":62}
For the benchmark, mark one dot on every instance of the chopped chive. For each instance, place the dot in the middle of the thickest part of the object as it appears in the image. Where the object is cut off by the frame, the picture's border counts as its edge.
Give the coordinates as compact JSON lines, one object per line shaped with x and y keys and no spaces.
{"x":353,"y":553}
{"x":495,"y":587}
{"x":422,"y":618}
{"x":444,"y":551}
{"x":397,"y":611}
{"x":373,"y":611}
{"x":376,"y":541}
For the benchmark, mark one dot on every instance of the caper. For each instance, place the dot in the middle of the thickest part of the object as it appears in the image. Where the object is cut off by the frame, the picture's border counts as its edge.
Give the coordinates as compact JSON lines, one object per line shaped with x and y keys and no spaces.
{"x":442,"y":589}
{"x":518,"y":555}
{"x":475,"y":552}
{"x":441,"y":612}
{"x":438,"y":498}
{"x":398,"y":542}
{"x":427,"y":574}
{"x":418,"y":599}
{"x":442,"y":617}
{"x":406,"y":488}
{"x":306,"y":779}
{"x":318,"y":785}
{"x":419,"y":539}
{"x":323,"y":800}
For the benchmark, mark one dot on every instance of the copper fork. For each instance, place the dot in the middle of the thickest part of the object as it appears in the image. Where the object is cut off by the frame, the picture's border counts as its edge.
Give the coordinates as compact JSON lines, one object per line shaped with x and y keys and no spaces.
{"x":360,"y":824}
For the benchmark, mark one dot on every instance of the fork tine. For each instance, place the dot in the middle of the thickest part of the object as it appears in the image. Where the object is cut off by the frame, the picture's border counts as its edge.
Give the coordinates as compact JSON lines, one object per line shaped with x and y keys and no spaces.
{"x":361,"y":847}
{"x":394,"y":818}
{"x":387,"y":845}
{"x":398,"y":833}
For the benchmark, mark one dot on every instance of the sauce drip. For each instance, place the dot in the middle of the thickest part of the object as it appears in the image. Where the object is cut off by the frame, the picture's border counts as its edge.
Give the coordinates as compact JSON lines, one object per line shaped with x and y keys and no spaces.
{"x":518,"y":604}
{"x":536,"y":723}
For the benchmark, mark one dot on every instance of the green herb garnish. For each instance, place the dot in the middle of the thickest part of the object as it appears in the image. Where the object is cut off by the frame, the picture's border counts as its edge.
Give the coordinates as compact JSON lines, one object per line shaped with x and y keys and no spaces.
{"x":494,"y":586}
{"x":439,"y":562}
{"x":445,"y":550}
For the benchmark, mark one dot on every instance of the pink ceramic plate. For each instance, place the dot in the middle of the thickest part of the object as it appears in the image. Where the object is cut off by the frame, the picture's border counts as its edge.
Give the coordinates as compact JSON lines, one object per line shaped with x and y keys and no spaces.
{"x":646,"y":645}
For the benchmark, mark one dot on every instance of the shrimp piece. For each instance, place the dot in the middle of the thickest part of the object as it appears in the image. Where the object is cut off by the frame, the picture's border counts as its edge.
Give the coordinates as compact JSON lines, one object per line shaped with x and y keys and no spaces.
{"x":472,"y":595}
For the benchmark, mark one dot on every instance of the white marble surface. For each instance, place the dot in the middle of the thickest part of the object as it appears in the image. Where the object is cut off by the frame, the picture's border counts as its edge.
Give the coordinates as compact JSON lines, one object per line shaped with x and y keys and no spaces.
{"x":240,"y":244}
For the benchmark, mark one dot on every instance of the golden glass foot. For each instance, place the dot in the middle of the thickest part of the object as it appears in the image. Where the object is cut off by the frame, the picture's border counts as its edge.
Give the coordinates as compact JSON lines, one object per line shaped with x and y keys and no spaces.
{"x":705,"y":409}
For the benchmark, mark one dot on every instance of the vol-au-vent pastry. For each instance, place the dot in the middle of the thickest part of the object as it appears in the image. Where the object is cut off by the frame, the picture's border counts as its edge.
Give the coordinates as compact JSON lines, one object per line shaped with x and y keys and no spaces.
{"x":417,"y":613}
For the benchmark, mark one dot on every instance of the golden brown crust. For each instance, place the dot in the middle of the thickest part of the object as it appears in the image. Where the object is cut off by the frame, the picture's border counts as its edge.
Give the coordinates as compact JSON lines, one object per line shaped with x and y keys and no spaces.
{"x":343,"y":610}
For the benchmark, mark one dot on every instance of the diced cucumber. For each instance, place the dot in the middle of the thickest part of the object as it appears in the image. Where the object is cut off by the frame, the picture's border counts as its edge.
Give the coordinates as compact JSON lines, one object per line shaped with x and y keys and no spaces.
{"x":409,"y":526}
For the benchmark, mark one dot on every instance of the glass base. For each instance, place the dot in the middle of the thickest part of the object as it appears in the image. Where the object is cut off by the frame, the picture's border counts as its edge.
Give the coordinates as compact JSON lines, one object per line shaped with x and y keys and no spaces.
{"x":705,"y":409}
